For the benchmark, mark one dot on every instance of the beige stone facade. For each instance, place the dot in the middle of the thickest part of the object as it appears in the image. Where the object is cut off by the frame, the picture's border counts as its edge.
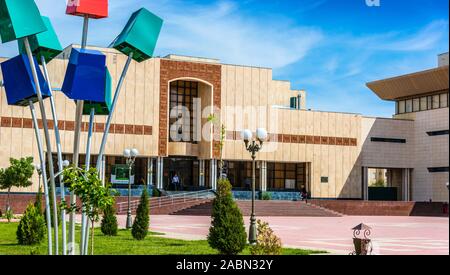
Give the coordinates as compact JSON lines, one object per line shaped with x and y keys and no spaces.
{"x":335,"y":148}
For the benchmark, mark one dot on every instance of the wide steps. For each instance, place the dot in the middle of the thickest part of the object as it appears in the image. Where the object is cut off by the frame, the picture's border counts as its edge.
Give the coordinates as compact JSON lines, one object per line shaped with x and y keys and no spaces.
{"x":265,"y":208}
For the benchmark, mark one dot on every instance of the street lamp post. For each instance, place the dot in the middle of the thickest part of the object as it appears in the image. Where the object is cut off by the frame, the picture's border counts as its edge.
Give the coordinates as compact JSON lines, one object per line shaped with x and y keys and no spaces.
{"x":253,"y":146}
{"x":130,"y":155}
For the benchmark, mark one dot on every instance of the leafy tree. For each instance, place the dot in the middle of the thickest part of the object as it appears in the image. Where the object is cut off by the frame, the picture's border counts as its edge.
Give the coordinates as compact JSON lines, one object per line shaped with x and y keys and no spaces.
{"x":227,"y":232}
{"x":18,"y":174}
{"x":267,"y":242}
{"x":109,"y":224}
{"x":142,"y":221}
{"x":89,"y":188}
{"x":31,"y":229}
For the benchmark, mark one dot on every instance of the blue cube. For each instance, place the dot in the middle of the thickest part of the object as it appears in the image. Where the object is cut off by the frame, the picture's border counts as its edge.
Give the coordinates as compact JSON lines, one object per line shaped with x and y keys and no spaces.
{"x":19,"y":82}
{"x":85,"y":76}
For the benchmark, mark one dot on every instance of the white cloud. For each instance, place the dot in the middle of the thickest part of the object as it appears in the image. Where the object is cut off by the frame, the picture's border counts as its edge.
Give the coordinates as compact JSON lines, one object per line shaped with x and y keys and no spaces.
{"x":219,"y":31}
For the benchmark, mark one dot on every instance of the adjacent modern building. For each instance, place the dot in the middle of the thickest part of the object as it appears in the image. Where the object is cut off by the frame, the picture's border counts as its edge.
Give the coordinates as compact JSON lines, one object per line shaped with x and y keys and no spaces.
{"x":165,"y":111}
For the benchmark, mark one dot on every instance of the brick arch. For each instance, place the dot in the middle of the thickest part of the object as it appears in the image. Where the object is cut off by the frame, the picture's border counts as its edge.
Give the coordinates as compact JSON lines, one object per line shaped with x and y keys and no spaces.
{"x":172,"y":70}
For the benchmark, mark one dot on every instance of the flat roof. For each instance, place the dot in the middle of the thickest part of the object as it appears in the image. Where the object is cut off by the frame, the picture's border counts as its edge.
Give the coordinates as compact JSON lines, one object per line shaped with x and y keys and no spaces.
{"x":423,"y":82}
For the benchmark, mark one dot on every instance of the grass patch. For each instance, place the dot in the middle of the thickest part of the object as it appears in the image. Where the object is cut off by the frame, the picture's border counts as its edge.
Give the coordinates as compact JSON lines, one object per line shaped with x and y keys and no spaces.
{"x":123,"y":244}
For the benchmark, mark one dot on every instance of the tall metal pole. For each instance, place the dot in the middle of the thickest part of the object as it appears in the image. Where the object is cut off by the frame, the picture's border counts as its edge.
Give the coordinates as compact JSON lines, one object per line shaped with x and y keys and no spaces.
{"x":252,"y":233}
{"x":59,"y":153}
{"x":76,"y":143}
{"x":47,"y":139}
{"x":113,"y":107}
{"x":129,"y":219}
{"x":44,"y":177}
{"x":85,"y":232}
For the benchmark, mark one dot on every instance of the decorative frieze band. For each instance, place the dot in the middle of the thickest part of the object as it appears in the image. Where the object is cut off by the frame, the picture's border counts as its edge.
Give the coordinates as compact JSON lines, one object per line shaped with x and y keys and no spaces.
{"x":27,"y":123}
{"x":302,"y":139}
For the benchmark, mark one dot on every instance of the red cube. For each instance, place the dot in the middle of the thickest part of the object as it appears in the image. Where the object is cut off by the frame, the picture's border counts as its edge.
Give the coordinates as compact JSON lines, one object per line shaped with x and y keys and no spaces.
{"x":93,"y":8}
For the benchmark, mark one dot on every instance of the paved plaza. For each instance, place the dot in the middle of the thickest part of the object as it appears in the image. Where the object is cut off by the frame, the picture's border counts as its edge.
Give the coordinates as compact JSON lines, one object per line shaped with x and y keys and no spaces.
{"x":391,"y":235}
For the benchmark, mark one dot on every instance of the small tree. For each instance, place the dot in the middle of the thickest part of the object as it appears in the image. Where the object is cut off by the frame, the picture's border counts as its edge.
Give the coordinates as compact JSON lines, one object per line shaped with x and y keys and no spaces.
{"x":31,"y":229}
{"x":18,"y":174}
{"x":227,"y":232}
{"x":267,"y":242}
{"x":109,"y":224}
{"x":142,"y":221}
{"x":38,"y":202}
{"x":89,"y":188}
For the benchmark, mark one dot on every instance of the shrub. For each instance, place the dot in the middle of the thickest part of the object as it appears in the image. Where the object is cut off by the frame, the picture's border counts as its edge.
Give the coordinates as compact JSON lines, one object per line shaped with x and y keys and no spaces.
{"x":266,"y":196}
{"x":38,"y":203}
{"x":31,"y":229}
{"x":142,"y":221}
{"x":227,"y":232}
{"x":267,"y":242}
{"x":109,"y":224}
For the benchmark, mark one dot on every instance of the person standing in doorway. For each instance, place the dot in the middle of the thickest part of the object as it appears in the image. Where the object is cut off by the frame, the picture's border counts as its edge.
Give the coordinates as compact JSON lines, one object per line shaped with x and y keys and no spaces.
{"x":175,"y":181}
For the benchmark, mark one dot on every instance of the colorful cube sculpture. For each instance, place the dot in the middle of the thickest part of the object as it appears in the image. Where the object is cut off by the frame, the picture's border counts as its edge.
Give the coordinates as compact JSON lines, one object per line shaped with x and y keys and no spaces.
{"x":101,"y":108}
{"x":44,"y":44}
{"x":19,"y":82}
{"x":139,"y":35}
{"x":95,"y":9}
{"x":85,"y":76}
{"x":19,"y":19}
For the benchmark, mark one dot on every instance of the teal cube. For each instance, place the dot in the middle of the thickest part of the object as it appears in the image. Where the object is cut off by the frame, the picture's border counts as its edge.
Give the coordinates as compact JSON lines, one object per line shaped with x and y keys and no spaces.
{"x":101,"y":108}
{"x":140,"y":35}
{"x":19,"y":19}
{"x":44,"y":44}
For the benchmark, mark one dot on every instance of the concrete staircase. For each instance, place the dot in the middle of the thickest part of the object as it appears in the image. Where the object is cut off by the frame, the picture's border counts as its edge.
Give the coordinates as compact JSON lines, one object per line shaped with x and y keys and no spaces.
{"x":265,"y":209}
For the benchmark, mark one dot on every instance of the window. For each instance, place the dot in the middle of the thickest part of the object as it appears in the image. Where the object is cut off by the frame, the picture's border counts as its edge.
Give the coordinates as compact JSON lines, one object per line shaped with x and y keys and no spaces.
{"x":282,"y":176}
{"x":444,"y":101}
{"x":423,"y":103}
{"x":436,"y":102}
{"x":438,"y":133}
{"x":416,"y":105}
{"x":409,"y":106}
{"x":388,"y":140}
{"x":401,"y":107}
{"x":182,"y":94}
{"x":438,"y":169}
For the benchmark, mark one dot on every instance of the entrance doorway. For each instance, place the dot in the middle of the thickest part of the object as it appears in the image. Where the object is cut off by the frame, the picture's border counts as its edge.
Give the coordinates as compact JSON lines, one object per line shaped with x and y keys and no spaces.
{"x":187,"y":170}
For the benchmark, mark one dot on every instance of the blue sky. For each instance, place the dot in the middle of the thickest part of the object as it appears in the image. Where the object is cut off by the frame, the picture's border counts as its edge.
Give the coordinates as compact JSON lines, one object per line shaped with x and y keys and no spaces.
{"x":330,"y":48}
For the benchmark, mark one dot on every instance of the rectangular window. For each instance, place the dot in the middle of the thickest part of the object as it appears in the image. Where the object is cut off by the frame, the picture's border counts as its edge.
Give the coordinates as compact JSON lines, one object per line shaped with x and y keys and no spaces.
{"x":429,"y":102}
{"x":401,"y":107}
{"x":436,"y":102}
{"x":438,"y":133}
{"x":423,"y":103}
{"x":438,"y":169}
{"x":444,"y":100}
{"x":388,"y":140}
{"x":416,"y":105}
{"x":409,"y":106}
{"x":182,"y":94}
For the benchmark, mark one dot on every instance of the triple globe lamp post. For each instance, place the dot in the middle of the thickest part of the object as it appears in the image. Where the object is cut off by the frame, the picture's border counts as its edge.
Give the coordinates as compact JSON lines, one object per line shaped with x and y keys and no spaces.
{"x":253,"y":146}
{"x":130,"y":156}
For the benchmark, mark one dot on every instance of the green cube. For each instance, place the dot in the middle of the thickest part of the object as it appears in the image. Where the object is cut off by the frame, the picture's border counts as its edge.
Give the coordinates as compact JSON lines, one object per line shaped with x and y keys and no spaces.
{"x":139,"y":35}
{"x":19,"y":19}
{"x":44,"y":44}
{"x":101,"y":108}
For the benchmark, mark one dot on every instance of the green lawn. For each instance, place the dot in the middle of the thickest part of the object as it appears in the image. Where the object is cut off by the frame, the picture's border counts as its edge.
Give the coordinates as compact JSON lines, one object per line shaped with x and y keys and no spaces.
{"x":123,"y":244}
